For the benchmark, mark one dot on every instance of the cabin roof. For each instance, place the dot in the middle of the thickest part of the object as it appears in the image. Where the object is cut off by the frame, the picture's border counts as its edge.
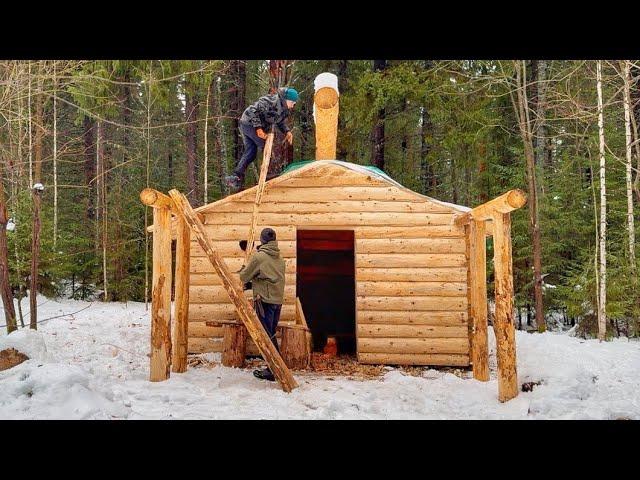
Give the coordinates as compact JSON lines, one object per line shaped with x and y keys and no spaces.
{"x":304,"y":167}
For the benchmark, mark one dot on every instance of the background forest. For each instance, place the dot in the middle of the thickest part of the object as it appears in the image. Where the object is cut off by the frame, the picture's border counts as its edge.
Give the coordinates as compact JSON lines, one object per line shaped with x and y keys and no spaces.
{"x":95,"y":133}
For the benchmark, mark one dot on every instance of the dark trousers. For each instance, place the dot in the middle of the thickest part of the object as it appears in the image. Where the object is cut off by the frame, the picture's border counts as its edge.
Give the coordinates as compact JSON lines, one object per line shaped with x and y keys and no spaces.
{"x":269,"y":317}
{"x":251,"y":144}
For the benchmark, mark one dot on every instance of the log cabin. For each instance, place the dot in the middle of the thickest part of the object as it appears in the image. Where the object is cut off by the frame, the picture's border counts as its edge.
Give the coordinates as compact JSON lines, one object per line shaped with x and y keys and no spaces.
{"x":395,"y":276}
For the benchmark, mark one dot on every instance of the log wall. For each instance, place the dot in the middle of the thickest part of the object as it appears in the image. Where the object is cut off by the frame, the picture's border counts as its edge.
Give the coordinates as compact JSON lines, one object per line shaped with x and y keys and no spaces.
{"x":411,"y":264}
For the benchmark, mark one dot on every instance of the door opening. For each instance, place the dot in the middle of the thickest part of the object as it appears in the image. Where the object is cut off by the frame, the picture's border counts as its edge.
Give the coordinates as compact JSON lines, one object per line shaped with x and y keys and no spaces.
{"x":325,"y":284}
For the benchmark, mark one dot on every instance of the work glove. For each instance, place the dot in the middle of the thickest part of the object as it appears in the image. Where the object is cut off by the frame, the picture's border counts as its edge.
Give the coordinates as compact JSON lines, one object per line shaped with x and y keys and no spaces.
{"x":289,"y":137}
{"x":261,"y":134}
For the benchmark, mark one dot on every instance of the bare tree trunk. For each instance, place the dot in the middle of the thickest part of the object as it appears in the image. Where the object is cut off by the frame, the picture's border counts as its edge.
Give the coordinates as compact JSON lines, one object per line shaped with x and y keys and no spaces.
{"x":205,"y":167}
{"x":239,"y":77}
{"x":282,"y":154}
{"x":89,"y":167}
{"x":378,"y":128}
{"x":521,"y":107}
{"x":37,"y":198}
{"x":30,"y":130}
{"x":55,"y":158}
{"x":191,"y":143}
{"x":5,"y":285}
{"x":602,"y":304}
{"x":221,"y":142}
{"x":629,"y":138}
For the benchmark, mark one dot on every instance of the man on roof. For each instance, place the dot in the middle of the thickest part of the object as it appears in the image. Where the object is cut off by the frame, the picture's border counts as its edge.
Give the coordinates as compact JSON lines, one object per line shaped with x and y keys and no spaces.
{"x":256,"y":122}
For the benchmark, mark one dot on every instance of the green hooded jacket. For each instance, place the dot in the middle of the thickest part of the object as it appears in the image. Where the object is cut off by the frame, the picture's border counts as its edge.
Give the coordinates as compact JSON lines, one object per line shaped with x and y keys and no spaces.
{"x":265,"y":271}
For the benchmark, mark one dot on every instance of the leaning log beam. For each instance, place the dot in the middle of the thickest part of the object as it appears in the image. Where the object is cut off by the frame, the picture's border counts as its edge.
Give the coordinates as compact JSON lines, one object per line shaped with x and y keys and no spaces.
{"x":234,"y":289}
{"x":508,"y":202}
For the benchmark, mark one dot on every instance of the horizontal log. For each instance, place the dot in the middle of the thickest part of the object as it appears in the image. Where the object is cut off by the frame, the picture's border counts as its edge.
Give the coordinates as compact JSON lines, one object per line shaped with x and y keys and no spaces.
{"x":333,"y":181}
{"x":201,"y":330}
{"x":231,"y":249}
{"x":411,"y":245}
{"x":414,"y":345}
{"x":336,"y":206}
{"x":420,"y":274}
{"x":202,"y":312}
{"x":156,"y":199}
{"x":404,"y":289}
{"x":319,"y":194}
{"x":505,"y":203}
{"x":454,"y":304}
{"x":411,"y":331}
{"x":332,"y":218}
{"x":400,"y":260}
{"x":403,"y":317}
{"x":237,"y":232}
{"x":214,"y":345}
{"x":204,"y":345}
{"x":202,"y":265}
{"x":202,"y":279}
{"x":218,"y":294}
{"x":414,"y":359}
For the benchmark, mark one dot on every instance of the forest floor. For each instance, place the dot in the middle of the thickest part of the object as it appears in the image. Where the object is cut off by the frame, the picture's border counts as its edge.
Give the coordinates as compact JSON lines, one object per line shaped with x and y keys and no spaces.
{"x":93,"y":364}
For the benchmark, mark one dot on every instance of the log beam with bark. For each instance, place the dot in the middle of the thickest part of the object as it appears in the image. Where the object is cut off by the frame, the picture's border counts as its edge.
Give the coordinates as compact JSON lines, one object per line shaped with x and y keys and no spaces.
{"x":503,"y":325}
{"x":505,"y":203}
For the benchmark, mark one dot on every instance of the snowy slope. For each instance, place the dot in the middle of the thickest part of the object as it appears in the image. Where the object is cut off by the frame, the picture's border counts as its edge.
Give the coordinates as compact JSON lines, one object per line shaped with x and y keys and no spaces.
{"x":93,"y":365}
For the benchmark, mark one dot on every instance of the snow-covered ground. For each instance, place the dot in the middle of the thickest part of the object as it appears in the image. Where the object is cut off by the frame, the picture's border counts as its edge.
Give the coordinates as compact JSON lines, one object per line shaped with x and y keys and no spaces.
{"x":93,"y":365}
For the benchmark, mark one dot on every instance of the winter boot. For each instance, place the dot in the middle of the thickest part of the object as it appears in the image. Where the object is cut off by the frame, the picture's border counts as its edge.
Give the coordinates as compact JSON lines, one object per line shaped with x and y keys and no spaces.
{"x":264,"y":374}
{"x":233,"y":181}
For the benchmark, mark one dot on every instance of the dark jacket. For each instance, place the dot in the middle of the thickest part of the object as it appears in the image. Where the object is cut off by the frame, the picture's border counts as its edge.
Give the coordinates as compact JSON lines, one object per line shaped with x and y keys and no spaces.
{"x":267,"y":111}
{"x":265,"y":271}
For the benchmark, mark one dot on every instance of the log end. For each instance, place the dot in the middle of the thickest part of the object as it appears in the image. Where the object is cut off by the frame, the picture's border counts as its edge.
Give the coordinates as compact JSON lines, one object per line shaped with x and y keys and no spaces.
{"x":516,"y":198}
{"x":326,"y":97}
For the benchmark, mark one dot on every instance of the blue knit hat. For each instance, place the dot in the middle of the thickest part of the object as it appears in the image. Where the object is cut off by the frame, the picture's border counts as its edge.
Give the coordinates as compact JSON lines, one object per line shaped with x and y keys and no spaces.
{"x":291,"y":94}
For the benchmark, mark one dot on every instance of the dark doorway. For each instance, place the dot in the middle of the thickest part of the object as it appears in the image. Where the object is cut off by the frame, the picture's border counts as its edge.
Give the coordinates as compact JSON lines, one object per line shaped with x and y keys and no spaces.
{"x":325,"y":284}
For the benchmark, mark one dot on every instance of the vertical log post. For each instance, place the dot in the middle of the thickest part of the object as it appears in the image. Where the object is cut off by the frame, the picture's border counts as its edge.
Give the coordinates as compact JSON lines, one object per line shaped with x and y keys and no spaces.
{"x":180,"y":326}
{"x":478,"y":299}
{"x":504,"y":323}
{"x":161,"y":307}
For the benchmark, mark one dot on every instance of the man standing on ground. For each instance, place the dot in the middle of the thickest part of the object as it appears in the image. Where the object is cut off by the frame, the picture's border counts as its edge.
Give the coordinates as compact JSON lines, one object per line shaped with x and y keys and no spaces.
{"x":256,"y":122}
{"x":265,"y":271}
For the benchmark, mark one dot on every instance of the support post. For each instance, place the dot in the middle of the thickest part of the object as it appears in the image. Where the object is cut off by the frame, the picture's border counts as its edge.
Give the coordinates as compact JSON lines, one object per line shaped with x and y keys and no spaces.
{"x":160,"y":361}
{"x":478,"y":299}
{"x":504,"y":323}
{"x":232,"y":286}
{"x":181,"y":325}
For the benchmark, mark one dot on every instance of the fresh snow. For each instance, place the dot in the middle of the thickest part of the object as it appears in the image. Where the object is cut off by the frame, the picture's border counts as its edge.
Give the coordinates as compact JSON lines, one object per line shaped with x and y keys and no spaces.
{"x":93,"y":364}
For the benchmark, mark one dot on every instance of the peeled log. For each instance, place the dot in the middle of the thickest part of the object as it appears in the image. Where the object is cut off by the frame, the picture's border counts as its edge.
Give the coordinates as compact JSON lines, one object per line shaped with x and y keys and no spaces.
{"x":234,"y":345}
{"x":503,"y":324}
{"x":294,"y":347}
{"x":508,"y":202}
{"x":155,"y":199}
{"x":325,"y":110}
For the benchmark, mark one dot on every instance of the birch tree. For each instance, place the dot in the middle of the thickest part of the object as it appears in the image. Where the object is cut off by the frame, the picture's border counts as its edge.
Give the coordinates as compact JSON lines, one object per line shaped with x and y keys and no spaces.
{"x":602,"y":281}
{"x":626,"y":73}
